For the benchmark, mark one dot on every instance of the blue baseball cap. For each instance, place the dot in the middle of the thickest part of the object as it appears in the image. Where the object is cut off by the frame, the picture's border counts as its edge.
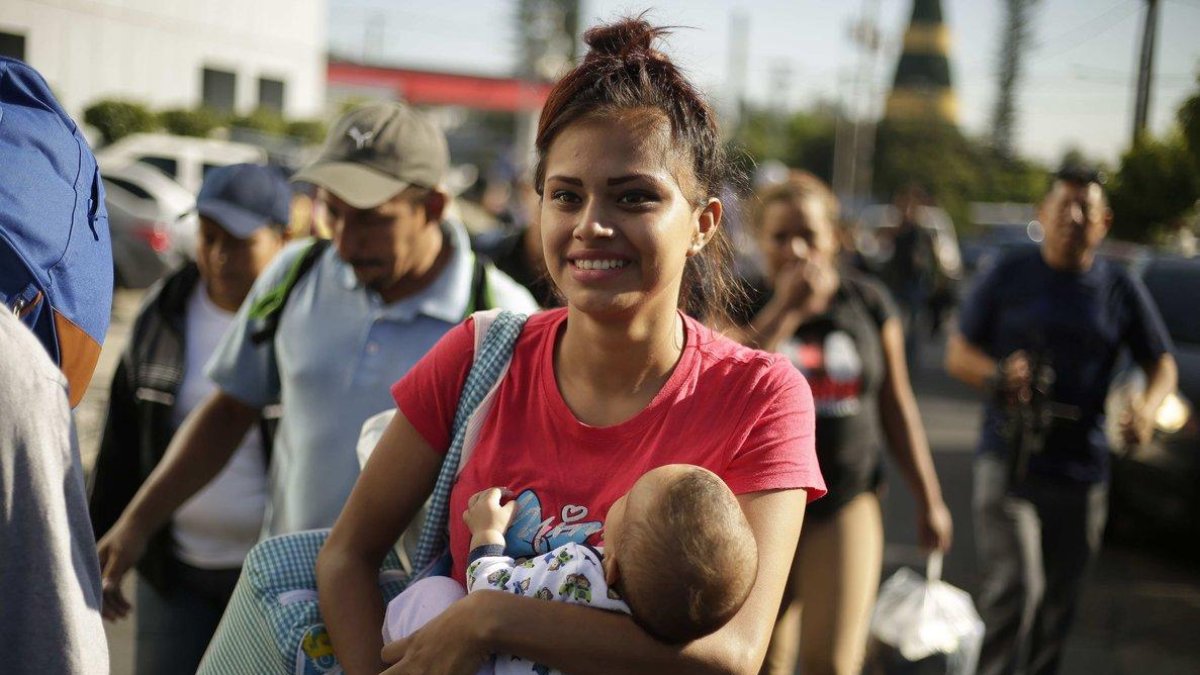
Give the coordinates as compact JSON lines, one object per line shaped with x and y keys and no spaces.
{"x":245,"y":197}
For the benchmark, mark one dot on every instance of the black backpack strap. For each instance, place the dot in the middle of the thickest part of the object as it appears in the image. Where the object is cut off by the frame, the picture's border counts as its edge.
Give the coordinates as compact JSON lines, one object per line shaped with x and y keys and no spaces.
{"x":269,"y":307}
{"x":481,"y":297}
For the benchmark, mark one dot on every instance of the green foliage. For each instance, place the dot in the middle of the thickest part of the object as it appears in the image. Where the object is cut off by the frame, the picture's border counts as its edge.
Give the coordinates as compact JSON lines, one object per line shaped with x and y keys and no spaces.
{"x":953,"y":169}
{"x":932,"y":155}
{"x":1189,"y":123}
{"x":802,"y":140}
{"x":266,"y":120}
{"x":1158,"y":182}
{"x":198,"y":122}
{"x":351,"y":102}
{"x":115,"y":119}
{"x":311,"y":132}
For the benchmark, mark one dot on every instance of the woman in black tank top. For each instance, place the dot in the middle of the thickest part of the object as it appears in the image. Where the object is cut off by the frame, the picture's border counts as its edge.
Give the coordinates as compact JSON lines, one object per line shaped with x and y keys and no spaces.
{"x":842,"y":331}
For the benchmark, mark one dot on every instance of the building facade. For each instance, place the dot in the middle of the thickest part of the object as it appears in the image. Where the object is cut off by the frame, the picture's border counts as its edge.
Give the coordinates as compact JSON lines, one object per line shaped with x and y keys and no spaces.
{"x":230,"y":55}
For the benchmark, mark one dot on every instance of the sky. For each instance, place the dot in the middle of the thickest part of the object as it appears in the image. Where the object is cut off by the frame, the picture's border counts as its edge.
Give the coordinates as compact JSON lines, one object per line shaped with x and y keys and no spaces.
{"x":1076,"y":91}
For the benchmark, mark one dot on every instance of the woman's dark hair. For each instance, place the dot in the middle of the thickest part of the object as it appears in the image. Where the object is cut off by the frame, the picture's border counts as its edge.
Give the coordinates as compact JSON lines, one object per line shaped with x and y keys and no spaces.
{"x":623,"y":72}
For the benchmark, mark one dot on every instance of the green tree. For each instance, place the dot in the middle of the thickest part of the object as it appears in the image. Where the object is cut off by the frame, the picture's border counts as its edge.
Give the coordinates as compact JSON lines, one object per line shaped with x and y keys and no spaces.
{"x":266,"y":120}
{"x":309,"y":132}
{"x":1158,"y":181}
{"x":115,"y":119}
{"x":198,"y":122}
{"x":802,"y":140}
{"x":933,"y":155}
{"x":1189,"y":123}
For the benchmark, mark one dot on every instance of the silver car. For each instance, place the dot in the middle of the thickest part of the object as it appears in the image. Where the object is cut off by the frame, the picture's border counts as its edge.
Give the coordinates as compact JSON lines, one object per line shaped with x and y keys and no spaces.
{"x":152,"y":220}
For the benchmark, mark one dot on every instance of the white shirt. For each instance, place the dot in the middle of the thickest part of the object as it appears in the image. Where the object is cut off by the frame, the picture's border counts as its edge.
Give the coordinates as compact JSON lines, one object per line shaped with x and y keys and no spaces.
{"x":220,"y":523}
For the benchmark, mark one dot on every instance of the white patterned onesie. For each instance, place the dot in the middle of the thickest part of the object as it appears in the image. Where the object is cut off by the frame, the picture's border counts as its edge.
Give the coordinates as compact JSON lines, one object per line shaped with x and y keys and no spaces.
{"x":570,"y":573}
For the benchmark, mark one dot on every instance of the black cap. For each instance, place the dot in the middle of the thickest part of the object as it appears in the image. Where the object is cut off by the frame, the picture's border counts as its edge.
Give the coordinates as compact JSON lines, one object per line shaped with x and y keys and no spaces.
{"x":1081,"y":173}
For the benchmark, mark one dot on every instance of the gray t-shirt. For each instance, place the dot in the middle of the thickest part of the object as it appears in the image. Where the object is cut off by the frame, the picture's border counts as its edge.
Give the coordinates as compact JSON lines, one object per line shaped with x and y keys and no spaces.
{"x":49,"y":573}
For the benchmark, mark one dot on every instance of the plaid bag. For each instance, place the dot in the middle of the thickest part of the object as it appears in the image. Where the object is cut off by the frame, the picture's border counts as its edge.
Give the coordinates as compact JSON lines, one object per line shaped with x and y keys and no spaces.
{"x":272,"y":624}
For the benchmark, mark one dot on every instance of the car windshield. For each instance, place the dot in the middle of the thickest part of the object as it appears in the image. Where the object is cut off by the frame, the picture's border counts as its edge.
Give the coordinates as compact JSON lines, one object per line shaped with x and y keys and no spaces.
{"x":135,"y":190}
{"x":1175,"y":288}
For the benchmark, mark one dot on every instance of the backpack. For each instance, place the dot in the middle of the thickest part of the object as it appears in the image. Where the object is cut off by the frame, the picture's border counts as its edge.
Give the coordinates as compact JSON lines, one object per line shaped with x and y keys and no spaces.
{"x":56,"y":269}
{"x":268,"y":308}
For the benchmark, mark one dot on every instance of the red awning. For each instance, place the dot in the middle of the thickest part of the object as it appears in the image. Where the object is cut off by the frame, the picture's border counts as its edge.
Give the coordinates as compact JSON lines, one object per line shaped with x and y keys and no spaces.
{"x":421,"y":87}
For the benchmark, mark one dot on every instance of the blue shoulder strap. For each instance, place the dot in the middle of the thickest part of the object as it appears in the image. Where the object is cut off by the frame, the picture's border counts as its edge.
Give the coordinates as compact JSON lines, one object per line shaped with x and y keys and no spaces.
{"x":490,"y":363}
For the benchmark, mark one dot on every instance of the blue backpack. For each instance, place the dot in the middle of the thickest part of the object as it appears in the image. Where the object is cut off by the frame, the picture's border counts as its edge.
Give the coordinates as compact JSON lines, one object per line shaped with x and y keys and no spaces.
{"x":55,"y":255}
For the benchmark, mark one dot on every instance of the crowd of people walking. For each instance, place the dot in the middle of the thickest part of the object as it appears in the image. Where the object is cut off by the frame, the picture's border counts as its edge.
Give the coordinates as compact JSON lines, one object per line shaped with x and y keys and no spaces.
{"x":698,"y":455}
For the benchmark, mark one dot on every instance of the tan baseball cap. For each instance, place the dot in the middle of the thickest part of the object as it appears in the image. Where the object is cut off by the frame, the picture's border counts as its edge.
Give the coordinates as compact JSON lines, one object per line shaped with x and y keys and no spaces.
{"x":375,"y":151}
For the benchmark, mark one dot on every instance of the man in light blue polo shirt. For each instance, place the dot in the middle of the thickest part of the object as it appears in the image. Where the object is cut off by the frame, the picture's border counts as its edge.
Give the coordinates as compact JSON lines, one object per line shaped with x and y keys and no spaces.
{"x":397,"y":277}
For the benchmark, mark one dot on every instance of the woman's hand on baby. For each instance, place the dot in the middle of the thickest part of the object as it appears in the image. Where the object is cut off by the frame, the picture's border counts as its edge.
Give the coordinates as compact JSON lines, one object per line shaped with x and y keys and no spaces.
{"x":486,"y":517}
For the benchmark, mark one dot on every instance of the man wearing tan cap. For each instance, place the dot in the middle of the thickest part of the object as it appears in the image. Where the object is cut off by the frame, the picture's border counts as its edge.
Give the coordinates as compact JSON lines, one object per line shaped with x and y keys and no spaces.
{"x":396,"y":278}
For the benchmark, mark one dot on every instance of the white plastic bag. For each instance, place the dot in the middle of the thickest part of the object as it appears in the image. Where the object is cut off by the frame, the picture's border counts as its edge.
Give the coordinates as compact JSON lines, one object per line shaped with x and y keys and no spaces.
{"x":925,"y":625}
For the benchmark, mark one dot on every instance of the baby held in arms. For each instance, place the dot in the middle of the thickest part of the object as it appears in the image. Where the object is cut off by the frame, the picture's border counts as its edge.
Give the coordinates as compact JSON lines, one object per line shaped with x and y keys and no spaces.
{"x":679,"y":557}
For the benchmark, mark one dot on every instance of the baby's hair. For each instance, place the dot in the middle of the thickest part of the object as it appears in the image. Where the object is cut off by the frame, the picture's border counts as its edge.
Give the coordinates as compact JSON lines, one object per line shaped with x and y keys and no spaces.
{"x":687,"y":570}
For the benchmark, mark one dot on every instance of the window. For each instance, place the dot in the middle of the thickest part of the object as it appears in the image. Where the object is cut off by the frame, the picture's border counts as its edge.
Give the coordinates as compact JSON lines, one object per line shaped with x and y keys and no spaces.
{"x":219,"y":89}
{"x":167,"y":165}
{"x":208,"y":168}
{"x":132,"y":188}
{"x":12,"y":45}
{"x":270,"y":94}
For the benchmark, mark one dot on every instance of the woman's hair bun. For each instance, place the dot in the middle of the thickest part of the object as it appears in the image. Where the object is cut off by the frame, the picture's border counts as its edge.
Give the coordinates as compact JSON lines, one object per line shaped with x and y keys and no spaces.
{"x":628,"y":38}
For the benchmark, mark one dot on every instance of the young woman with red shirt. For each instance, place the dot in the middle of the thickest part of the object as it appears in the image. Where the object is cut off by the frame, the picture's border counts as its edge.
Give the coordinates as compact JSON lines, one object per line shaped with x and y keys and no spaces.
{"x":618,"y":382}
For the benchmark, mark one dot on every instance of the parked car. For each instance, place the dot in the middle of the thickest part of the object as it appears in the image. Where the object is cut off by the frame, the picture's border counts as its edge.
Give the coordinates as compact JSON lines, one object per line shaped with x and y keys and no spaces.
{"x":1155,"y":491}
{"x":152,"y":220}
{"x":182,"y":158}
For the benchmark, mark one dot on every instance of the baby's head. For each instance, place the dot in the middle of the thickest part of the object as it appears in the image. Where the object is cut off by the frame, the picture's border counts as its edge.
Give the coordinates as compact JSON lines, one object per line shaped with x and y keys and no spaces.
{"x":679,"y":549}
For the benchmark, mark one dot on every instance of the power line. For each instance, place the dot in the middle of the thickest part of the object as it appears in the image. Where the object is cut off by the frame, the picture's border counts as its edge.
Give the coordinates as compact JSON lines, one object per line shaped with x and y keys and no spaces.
{"x":1090,"y":29}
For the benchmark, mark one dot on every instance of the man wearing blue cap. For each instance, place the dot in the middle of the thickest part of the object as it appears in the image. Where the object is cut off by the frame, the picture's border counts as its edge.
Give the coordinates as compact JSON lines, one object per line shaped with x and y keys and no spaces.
{"x":191,"y":563}
{"x":397,"y":277}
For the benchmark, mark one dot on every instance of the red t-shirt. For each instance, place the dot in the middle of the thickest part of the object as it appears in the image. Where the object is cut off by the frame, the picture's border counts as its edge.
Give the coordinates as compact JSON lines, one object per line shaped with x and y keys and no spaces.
{"x":743,"y":414}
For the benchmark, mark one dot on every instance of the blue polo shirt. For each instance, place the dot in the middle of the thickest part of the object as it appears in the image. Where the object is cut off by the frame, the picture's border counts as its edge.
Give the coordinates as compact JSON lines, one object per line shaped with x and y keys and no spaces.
{"x":338,"y":350}
{"x":1081,"y":322}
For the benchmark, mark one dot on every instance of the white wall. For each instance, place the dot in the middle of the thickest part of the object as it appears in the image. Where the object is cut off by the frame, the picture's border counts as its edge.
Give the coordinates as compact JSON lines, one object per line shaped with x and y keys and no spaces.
{"x":154,"y":51}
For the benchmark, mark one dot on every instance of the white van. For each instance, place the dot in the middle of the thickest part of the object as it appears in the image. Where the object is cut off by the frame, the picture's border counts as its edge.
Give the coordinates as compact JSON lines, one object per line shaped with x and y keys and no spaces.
{"x":183,"y":158}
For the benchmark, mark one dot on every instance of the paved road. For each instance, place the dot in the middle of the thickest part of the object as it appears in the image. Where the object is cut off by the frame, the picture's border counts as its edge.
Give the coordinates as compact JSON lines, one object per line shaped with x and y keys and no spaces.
{"x":1139,"y":616}
{"x":1141,"y":609}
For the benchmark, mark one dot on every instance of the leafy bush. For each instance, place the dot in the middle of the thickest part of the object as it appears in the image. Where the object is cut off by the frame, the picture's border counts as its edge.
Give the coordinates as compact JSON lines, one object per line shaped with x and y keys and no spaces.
{"x":266,"y":120}
{"x":198,"y":122}
{"x":308,"y":131}
{"x":1156,"y":184}
{"x":115,"y":119}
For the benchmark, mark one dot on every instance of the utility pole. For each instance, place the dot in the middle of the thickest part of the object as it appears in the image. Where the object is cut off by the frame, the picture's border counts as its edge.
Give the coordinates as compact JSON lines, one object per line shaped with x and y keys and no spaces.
{"x":854,"y":136}
{"x":781,"y":80}
{"x":1015,"y":40}
{"x":1145,"y":69}
{"x":735,"y":87}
